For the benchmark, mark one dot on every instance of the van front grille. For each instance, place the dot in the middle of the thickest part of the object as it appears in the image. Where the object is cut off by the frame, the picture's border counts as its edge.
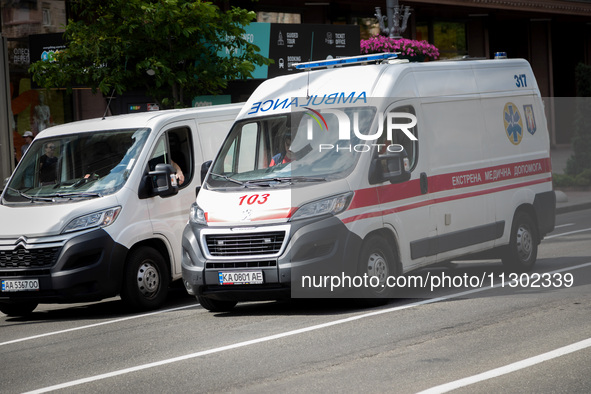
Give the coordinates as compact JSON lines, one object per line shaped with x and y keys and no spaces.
{"x":28,"y":258}
{"x":252,"y":244}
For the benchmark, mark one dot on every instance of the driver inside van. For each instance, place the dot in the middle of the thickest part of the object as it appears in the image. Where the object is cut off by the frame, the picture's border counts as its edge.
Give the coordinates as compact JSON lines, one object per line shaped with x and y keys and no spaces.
{"x":48,"y":165}
{"x":285,"y":155}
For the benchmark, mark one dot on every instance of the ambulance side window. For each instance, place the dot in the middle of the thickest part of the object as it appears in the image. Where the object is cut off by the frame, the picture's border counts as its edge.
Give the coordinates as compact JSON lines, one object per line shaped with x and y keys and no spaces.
{"x":399,"y":137}
{"x":244,"y":153}
{"x":248,"y":146}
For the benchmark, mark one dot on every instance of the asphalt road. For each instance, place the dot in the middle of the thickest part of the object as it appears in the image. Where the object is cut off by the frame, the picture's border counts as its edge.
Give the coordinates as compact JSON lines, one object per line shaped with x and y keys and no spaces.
{"x":532,"y":336}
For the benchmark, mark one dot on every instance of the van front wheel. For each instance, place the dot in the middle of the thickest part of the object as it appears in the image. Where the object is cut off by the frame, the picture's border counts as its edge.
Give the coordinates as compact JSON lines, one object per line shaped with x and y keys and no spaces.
{"x":522,"y":251}
{"x":145,"y":284}
{"x":18,"y":308}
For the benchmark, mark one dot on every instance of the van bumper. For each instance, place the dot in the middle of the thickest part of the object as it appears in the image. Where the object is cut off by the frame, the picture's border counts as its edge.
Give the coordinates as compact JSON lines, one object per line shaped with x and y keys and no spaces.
{"x":315,"y":247}
{"x":86,"y":267}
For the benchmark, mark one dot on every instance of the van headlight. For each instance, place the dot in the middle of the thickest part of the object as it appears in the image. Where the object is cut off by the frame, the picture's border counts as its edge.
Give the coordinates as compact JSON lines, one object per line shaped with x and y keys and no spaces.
{"x":97,"y":219}
{"x":197,"y":215}
{"x":331,"y":205}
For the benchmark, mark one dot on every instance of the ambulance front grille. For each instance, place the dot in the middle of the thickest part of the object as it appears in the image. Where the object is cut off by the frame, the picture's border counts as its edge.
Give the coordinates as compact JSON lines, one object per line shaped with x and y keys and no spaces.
{"x":252,"y":244}
{"x":241,"y":264}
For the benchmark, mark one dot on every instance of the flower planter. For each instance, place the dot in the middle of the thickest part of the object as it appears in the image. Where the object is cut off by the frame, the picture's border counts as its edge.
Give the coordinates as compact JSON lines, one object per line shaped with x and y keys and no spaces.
{"x":413,"y":50}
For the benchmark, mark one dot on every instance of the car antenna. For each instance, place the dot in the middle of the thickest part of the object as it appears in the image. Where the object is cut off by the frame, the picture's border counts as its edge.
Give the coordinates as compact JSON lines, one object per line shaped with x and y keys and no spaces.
{"x":108,"y":104}
{"x":113,"y":92}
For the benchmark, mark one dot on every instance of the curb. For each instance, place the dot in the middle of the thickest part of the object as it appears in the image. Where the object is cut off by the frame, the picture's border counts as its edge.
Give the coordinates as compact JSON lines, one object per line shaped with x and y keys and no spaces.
{"x":572,"y":208}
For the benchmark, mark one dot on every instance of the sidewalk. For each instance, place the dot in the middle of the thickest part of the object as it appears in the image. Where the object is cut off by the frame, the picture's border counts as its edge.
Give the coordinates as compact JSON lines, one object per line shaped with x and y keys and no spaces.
{"x":568,"y":200}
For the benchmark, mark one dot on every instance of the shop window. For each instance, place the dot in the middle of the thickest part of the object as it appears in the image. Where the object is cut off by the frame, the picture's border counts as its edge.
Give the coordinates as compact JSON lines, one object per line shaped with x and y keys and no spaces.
{"x":46,"y":17}
{"x":448,"y":37}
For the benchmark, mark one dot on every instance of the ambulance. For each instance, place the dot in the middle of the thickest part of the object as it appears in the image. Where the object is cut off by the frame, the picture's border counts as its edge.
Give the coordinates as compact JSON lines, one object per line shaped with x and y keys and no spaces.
{"x":96,"y":208}
{"x":366,"y":168}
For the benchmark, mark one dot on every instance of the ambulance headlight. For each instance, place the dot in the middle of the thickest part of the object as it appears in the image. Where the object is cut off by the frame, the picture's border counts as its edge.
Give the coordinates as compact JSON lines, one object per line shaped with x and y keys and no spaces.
{"x":97,"y":219}
{"x":331,"y":205}
{"x":197,"y":215}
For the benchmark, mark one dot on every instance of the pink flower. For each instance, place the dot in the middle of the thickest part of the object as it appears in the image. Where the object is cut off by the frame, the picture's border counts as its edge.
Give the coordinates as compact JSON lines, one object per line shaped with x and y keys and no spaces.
{"x":405,"y":47}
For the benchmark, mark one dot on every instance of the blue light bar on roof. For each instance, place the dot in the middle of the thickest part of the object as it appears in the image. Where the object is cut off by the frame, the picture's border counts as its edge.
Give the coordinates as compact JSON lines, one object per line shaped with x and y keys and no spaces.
{"x":345,"y":61}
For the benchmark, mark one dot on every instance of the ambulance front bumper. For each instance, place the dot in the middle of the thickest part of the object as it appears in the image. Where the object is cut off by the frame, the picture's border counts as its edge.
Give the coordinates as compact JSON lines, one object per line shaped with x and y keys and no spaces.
{"x":312,"y":247}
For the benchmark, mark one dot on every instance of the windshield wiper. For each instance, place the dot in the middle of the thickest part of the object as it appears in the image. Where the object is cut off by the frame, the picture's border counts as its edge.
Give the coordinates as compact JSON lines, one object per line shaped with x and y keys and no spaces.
{"x":29,"y":197}
{"x":285,"y":179}
{"x":227,"y":178}
{"x":308,"y":179}
{"x":75,"y":195}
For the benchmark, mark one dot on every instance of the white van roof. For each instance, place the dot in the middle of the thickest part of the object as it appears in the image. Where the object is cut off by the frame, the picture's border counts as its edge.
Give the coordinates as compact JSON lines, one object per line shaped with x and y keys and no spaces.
{"x":141,"y":119}
{"x":404,"y":80}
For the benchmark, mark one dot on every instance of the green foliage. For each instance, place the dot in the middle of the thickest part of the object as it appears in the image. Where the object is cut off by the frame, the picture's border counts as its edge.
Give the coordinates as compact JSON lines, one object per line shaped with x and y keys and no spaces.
{"x":172,"y":49}
{"x":581,"y":141}
{"x":581,"y":180}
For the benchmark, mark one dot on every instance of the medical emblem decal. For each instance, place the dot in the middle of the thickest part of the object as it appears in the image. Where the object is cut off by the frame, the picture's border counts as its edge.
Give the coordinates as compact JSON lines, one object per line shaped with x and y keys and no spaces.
{"x":513,"y":123}
{"x":530,"y":119}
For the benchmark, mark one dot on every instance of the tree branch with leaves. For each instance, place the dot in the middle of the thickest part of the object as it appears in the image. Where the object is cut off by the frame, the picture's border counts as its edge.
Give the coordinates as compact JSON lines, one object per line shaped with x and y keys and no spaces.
{"x":172,"y":49}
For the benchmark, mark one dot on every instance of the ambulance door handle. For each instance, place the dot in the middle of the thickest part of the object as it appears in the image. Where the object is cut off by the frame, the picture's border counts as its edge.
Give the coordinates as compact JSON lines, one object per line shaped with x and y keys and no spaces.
{"x":424,"y":184}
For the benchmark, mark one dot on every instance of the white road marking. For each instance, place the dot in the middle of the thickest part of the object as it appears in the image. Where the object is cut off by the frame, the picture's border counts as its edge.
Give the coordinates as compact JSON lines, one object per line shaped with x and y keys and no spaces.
{"x":493,"y":373}
{"x":270,"y":337}
{"x":564,"y":225}
{"x":96,"y":324}
{"x":569,"y":233}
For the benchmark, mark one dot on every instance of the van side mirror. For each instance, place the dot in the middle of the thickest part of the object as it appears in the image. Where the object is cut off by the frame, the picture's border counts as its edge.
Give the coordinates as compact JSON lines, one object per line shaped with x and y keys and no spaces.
{"x":391,"y":166}
{"x":164,"y":182}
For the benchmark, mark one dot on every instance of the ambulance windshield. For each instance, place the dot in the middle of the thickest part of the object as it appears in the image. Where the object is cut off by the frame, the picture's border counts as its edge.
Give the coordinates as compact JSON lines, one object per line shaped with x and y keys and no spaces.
{"x":75,"y":166}
{"x":301,"y":146}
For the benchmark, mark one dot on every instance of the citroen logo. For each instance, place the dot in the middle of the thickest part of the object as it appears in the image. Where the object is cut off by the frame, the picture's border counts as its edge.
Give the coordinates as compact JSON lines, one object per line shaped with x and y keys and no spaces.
{"x":21,"y":242}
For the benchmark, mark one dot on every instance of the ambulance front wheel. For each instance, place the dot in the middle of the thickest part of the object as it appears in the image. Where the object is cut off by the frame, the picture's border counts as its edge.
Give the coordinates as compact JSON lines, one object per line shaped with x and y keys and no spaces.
{"x":378,"y":262}
{"x":522,"y":251}
{"x":145,"y":285}
{"x":216,"y":305}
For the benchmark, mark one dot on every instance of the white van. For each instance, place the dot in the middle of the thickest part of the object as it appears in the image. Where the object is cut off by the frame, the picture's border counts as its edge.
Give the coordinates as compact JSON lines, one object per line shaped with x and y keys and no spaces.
{"x":371,"y":170}
{"x":94,"y":209}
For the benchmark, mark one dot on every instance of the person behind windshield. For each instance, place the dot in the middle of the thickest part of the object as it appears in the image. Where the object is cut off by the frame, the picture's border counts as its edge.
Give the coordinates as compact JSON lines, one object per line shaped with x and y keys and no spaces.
{"x":28,"y":137}
{"x":48,"y":165}
{"x":285,"y":155}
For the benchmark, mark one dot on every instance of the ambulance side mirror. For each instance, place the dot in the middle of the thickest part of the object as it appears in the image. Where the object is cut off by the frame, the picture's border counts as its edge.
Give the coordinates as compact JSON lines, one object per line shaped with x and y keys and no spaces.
{"x":164,"y":182}
{"x":204,"y":168}
{"x":4,"y":183}
{"x":391,"y":166}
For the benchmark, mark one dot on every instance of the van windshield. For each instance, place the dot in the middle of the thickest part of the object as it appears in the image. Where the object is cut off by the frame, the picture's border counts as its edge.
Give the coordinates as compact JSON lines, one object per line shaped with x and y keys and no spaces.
{"x":75,"y":166}
{"x":301,"y":146}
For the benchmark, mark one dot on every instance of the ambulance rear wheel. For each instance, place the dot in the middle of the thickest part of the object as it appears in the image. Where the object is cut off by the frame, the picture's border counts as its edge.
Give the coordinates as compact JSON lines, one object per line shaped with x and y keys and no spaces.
{"x":17,"y":308}
{"x":377,"y":262}
{"x":522,"y":251}
{"x":145,"y":285}
{"x":216,"y":305}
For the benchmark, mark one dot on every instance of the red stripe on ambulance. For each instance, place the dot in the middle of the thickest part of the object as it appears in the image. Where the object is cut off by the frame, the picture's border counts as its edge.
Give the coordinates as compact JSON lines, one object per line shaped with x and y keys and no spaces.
{"x":390,"y":193}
